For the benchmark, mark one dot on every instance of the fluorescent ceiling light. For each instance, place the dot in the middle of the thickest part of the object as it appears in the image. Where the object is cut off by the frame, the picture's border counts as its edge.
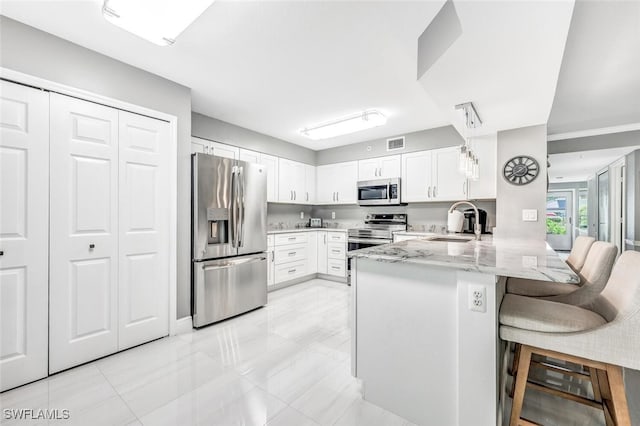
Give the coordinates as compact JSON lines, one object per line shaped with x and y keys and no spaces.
{"x":344,"y":126}
{"x":159,"y":21}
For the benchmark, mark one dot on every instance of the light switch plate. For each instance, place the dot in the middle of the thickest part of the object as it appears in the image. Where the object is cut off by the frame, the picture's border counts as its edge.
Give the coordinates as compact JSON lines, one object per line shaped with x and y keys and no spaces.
{"x":529,"y":261}
{"x":333,"y":215}
{"x":529,"y":215}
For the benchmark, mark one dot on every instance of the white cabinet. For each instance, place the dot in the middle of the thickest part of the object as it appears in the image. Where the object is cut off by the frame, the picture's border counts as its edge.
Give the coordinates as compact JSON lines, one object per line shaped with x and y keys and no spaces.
{"x":312,"y":252}
{"x":214,"y":148}
{"x":322,"y":252}
{"x":485,"y":148}
{"x":24,"y":219}
{"x":416,"y":176}
{"x":447,"y":182}
{"x":336,"y":183}
{"x":379,"y":168}
{"x":291,"y":181}
{"x":109,"y":249}
{"x":336,"y":254}
{"x":271,"y":163}
{"x":432,"y":176}
{"x":310,"y":183}
{"x":270,"y":261}
{"x":290,"y":256}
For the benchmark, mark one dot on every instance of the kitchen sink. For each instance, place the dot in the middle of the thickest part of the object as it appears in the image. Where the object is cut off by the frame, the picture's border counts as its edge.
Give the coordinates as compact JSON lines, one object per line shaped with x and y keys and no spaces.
{"x":451,"y":239}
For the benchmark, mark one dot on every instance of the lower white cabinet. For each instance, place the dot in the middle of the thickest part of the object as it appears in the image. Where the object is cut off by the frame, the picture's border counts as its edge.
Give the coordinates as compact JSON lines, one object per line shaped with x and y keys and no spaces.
{"x":109,"y":247}
{"x":322,"y":252}
{"x":332,"y":249}
{"x":290,"y":271}
{"x":24,"y":221}
{"x":270,"y":261}
{"x":290,"y":258}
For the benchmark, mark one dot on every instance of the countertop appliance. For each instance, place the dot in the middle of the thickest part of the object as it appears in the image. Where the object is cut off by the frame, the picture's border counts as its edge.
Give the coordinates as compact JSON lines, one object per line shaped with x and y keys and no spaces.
{"x":470,"y":221}
{"x":378,"y":229}
{"x":315,"y":222}
{"x":379,"y":192}
{"x":229,"y":238}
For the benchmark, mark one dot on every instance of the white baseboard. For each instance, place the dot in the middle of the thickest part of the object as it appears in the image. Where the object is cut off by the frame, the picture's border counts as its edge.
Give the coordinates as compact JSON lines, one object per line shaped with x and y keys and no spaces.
{"x":184,"y":325}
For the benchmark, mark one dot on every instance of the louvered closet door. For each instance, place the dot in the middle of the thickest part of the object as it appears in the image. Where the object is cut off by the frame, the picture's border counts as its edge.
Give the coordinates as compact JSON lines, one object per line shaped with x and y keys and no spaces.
{"x":84,"y":233}
{"x":24,"y":217}
{"x":144,"y":223}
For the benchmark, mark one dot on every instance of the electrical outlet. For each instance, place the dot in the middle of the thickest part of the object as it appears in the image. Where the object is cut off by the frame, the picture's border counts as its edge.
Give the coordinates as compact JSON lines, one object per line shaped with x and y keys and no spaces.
{"x":529,"y":215}
{"x":477,"y":298}
{"x":301,"y":215}
{"x":333,"y":215}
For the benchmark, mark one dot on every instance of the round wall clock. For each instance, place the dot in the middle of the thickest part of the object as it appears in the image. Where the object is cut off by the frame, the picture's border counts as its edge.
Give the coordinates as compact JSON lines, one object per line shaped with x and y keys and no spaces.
{"x":521,"y":170}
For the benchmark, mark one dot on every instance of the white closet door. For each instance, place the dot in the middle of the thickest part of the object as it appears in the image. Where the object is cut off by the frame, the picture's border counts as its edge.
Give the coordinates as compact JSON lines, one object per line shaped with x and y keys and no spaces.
{"x":83,"y":296}
{"x":144,"y":222}
{"x":24,"y":217}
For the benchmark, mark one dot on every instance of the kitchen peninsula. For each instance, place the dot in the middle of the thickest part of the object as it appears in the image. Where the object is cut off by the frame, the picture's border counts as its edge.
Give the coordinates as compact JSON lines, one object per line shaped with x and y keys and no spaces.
{"x":425,"y":314}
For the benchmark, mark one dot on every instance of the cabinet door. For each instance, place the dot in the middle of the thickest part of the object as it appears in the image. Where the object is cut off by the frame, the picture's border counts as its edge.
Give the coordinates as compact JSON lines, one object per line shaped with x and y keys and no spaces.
{"x":345,"y":181}
{"x":198,"y":147}
{"x":312,"y":253}
{"x":325,"y":192}
{"x":270,"y":266}
{"x":291,"y":187}
{"x":322,"y":252}
{"x":310,"y":184}
{"x":369,"y":169}
{"x":390,"y":166}
{"x":416,"y":176}
{"x":83,"y":312}
{"x":485,"y":148}
{"x":143,"y":285}
{"x":249,"y":156}
{"x":271,"y":163}
{"x":24,"y":218}
{"x":223,"y":150}
{"x":448,"y":183}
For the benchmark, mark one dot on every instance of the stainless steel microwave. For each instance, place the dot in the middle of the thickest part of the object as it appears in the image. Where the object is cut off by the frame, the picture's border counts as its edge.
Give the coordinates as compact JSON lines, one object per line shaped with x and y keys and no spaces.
{"x":379,"y":192}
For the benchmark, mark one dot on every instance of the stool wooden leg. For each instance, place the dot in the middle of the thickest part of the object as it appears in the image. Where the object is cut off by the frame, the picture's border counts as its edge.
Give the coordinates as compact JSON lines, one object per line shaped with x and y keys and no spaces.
{"x":618,"y":396}
{"x":593,"y":377}
{"x":514,"y":367}
{"x":524,"y":360}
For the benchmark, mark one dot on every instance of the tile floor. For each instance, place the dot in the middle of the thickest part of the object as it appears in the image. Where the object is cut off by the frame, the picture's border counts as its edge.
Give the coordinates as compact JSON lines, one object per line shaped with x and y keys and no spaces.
{"x":285,"y":364}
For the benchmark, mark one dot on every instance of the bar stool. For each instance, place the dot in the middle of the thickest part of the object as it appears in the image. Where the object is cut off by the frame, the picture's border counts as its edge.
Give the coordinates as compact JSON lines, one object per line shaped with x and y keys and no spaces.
{"x":579,"y":252}
{"x":594,"y":272}
{"x":602,"y":336}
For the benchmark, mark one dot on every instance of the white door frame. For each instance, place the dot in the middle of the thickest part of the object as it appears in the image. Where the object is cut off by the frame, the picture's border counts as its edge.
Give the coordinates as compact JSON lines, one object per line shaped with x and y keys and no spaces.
{"x":175,"y":326}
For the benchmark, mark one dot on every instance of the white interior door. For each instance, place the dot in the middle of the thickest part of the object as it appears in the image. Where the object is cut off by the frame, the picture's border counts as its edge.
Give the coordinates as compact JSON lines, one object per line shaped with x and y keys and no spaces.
{"x":83,"y":322}
{"x":24,"y":217}
{"x":143,"y":287}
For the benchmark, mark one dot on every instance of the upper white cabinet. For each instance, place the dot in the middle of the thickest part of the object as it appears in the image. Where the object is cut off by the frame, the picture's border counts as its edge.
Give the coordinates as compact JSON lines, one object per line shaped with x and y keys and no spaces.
{"x":379,"y":168}
{"x":485,"y":148}
{"x":24,"y":221}
{"x":214,"y":148}
{"x":310,"y":183}
{"x":432,"y":176}
{"x":336,"y":183}
{"x":291,"y":181}
{"x":271,"y":163}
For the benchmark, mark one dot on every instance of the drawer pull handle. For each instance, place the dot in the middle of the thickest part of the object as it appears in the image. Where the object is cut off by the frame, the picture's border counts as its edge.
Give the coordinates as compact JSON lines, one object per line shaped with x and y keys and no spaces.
{"x":335,"y":251}
{"x":335,"y":267}
{"x":291,"y":271}
{"x":292,"y":253}
{"x":292,"y":238}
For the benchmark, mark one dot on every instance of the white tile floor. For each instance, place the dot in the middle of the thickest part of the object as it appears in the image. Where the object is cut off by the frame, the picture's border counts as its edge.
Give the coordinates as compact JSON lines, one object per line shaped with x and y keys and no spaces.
{"x":285,"y":364}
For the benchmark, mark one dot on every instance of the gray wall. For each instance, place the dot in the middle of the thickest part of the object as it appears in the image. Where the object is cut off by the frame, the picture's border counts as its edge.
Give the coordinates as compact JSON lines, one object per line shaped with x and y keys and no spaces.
{"x":512,"y":199}
{"x":40,"y":54}
{"x":213,"y":129}
{"x":440,"y":137}
{"x":632,"y":183}
{"x":590,"y":143}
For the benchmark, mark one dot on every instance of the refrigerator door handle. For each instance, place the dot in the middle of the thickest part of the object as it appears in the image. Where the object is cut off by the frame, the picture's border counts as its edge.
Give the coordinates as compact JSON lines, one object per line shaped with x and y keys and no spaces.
{"x":233,"y":263}
{"x":241,"y":207}
{"x":233,"y":204}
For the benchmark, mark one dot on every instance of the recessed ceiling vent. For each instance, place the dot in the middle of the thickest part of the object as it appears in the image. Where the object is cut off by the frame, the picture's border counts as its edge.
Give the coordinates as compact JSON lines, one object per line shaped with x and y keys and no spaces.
{"x":395,"y":144}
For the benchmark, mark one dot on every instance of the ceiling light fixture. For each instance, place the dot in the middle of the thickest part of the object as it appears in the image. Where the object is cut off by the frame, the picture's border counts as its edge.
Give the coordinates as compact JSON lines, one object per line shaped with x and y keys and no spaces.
{"x":158,"y":21}
{"x":343,"y":126}
{"x":468,"y":161}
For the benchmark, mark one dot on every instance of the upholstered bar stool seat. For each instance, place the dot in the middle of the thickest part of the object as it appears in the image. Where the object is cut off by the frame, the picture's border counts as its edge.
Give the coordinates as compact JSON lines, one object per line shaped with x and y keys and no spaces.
{"x":602,"y":336}
{"x":594,"y":273}
{"x":579,"y":252}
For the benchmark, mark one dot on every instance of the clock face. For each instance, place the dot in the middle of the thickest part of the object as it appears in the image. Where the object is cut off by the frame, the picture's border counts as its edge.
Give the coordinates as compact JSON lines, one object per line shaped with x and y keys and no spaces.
{"x":521,"y":170}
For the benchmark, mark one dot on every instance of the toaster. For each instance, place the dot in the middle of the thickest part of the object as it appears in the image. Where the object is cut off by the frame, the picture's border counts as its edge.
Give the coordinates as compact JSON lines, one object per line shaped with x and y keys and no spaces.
{"x":315,"y":222}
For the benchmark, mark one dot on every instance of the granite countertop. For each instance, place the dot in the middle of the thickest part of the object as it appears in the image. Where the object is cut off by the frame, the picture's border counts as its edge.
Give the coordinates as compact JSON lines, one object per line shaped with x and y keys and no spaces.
{"x":530,"y":259}
{"x":286,"y":231}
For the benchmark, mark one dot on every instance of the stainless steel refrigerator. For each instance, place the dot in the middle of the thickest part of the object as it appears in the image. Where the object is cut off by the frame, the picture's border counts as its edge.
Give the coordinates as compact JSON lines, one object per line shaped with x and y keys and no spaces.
{"x":229,"y":238}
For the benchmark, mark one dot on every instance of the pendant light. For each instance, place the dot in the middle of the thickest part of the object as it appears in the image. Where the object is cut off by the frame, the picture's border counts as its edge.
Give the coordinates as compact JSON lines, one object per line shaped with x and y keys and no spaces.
{"x":468,"y":163}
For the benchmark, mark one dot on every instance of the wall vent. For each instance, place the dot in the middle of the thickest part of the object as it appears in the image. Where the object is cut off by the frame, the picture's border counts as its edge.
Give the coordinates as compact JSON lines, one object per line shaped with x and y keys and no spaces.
{"x":395,"y":144}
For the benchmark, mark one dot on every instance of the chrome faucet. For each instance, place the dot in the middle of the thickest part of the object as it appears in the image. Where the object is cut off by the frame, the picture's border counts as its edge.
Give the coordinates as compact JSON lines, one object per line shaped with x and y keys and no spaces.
{"x":477,"y":230}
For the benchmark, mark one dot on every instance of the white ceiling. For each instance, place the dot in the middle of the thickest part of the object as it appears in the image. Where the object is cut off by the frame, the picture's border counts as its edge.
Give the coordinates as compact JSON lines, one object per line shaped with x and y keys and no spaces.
{"x":275,"y":67}
{"x":579,"y":166}
{"x":599,"y":82}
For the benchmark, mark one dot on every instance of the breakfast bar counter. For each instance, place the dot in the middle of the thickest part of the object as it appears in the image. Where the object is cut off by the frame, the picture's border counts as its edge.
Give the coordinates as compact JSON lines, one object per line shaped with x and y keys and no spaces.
{"x":425,"y":323}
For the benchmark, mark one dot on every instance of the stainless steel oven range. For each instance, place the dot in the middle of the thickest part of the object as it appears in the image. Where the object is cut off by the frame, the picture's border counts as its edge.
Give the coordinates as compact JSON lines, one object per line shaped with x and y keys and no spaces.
{"x":378,"y":229}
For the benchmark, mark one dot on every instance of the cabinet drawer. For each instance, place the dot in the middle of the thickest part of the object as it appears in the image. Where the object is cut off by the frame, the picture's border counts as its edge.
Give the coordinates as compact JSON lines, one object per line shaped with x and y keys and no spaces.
{"x":292,"y":238}
{"x":270,"y":240}
{"x":290,"y":271}
{"x":336,"y":267}
{"x":290,"y":253}
{"x":336,"y":251}
{"x":336,"y":237}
